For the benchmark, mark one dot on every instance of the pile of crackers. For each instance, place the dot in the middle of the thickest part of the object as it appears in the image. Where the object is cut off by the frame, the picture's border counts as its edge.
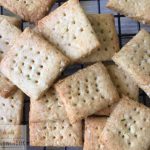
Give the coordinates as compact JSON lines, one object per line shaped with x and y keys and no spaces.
{"x":99,"y":102}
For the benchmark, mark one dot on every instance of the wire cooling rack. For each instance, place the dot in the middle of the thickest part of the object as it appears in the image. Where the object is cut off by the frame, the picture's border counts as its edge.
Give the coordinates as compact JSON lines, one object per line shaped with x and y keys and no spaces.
{"x":126,"y":29}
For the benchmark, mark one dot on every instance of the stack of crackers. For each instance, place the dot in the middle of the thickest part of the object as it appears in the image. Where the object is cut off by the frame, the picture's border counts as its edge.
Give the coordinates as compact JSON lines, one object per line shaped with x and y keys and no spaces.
{"x":99,"y":101}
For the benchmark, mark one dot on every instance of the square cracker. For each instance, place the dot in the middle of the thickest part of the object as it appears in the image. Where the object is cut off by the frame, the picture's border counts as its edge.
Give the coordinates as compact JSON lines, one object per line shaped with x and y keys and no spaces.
{"x":128,"y":127}
{"x":29,"y":10}
{"x":93,"y":129}
{"x":48,"y":107}
{"x":135,"y":9}
{"x":104,"y":27}
{"x":87,"y":91}
{"x":8,"y":34}
{"x":55,"y":133}
{"x":125,"y":86}
{"x":11,"y":109}
{"x":6,"y":87}
{"x":64,"y":28}
{"x":134,"y":58}
{"x":33,"y":64}
{"x":13,"y":20}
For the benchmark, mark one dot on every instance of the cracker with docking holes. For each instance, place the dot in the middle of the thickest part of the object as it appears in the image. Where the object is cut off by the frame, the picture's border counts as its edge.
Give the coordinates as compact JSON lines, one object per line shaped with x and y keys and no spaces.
{"x":137,"y":10}
{"x":56,"y":133}
{"x":128,"y":127}
{"x":63,"y":27}
{"x":104,"y":27}
{"x":28,"y":10}
{"x":8,"y":35}
{"x":12,"y":109}
{"x":33,"y":64}
{"x":87,"y":91}
{"x":93,"y":129}
{"x":49,"y":107}
{"x":134,"y":58}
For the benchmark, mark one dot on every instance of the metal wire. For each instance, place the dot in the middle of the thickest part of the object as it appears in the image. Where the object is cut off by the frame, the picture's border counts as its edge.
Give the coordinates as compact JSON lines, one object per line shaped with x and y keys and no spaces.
{"x":143,"y":97}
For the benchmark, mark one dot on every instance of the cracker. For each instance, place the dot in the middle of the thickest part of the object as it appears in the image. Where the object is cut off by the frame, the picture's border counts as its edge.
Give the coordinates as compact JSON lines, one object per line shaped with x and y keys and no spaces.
{"x":49,"y":107}
{"x":55,"y":133}
{"x":64,"y":28}
{"x":128,"y":127}
{"x":8,"y":34}
{"x":87,"y":91}
{"x":137,"y":10}
{"x":93,"y":129}
{"x":104,"y":27}
{"x":134,"y":58}
{"x":12,"y":20}
{"x":11,"y":109}
{"x":6,"y":87}
{"x":124,"y":83}
{"x":29,"y":10}
{"x":125,"y":86}
{"x":10,"y":134}
{"x":33,"y":64}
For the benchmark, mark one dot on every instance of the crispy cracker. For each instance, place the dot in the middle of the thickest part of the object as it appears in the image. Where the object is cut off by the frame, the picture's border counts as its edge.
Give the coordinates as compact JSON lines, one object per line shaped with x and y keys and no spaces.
{"x":29,"y":10}
{"x":128,"y":127}
{"x":134,"y":58}
{"x":93,"y":129}
{"x":104,"y":27}
{"x":11,"y":109}
{"x":87,"y":91}
{"x":6,"y":87}
{"x":55,"y":133}
{"x":8,"y":34}
{"x":49,"y":107}
{"x":33,"y":64}
{"x":125,"y":86}
{"x":64,"y":28}
{"x":135,"y":9}
{"x":13,"y":20}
